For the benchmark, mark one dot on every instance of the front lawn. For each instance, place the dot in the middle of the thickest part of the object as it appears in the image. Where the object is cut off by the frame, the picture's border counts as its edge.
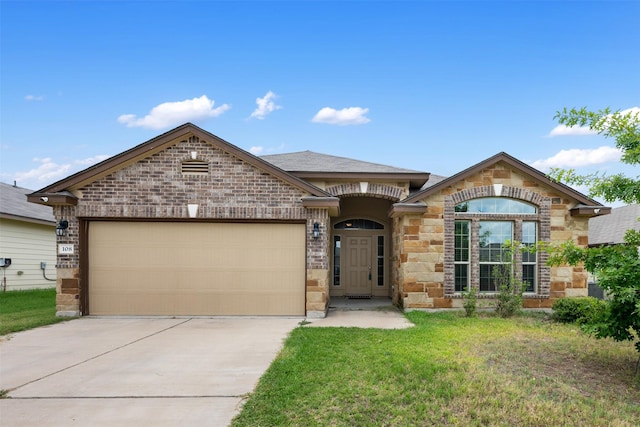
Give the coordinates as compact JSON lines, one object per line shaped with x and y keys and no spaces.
{"x":448,"y":370}
{"x":21,"y":310}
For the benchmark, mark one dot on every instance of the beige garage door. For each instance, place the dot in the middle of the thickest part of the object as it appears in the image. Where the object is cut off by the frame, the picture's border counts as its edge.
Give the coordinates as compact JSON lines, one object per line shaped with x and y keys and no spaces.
{"x":148,"y":268}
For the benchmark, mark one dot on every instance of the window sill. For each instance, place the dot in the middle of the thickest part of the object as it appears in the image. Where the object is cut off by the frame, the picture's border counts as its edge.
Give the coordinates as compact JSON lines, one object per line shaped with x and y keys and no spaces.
{"x":489,"y":295}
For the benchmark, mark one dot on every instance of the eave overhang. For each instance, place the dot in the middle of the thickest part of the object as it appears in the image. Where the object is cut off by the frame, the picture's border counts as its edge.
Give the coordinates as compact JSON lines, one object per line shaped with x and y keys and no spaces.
{"x":64,"y":198}
{"x":416,"y":180}
{"x":402,"y":209}
{"x":27,"y":219}
{"x":589,"y":211}
{"x":332,"y":204}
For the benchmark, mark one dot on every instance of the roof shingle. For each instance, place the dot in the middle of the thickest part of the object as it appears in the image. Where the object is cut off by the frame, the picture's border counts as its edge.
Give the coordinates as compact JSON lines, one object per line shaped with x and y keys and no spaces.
{"x":13,"y":203}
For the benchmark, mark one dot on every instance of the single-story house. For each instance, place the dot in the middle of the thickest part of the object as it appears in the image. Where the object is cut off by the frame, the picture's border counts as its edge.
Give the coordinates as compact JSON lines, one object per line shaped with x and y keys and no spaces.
{"x":28,"y":239}
{"x":189,"y":224}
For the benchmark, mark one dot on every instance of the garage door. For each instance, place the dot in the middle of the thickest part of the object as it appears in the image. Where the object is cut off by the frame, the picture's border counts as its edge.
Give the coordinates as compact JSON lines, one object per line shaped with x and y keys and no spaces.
{"x":148,"y":268}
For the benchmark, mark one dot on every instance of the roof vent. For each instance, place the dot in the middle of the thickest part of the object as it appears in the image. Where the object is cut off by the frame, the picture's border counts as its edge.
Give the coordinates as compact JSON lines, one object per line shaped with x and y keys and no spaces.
{"x":195,"y":167}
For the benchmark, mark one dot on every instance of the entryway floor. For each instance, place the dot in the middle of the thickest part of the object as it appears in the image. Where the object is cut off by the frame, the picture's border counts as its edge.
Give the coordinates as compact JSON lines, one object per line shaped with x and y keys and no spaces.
{"x":375,"y":312}
{"x":373,"y":303}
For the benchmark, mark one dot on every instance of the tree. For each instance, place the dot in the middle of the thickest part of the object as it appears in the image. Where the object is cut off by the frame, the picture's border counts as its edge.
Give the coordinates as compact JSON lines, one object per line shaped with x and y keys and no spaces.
{"x":617,"y":267}
{"x":624,"y":127}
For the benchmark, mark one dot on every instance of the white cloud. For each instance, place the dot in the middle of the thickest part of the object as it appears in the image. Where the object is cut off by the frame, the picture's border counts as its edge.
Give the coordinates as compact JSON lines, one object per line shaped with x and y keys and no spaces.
{"x":562,"y":130}
{"x":256,"y":151}
{"x":47,"y":171}
{"x":174,"y":113}
{"x":634,"y":110}
{"x":34,"y":98}
{"x":91,"y":160}
{"x":344,"y":117}
{"x":266,"y":105}
{"x":575,"y":158}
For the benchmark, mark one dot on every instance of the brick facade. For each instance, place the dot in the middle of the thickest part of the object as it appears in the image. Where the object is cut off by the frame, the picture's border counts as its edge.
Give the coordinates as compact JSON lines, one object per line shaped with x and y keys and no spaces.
{"x":155,"y":188}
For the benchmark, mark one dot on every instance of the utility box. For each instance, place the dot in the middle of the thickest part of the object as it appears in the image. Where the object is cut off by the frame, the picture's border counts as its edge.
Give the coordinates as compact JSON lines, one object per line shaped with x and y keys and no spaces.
{"x":5,"y":262}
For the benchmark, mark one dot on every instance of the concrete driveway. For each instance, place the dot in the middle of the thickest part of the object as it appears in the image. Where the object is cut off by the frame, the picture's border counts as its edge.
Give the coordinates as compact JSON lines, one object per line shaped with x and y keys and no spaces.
{"x":134,"y":371}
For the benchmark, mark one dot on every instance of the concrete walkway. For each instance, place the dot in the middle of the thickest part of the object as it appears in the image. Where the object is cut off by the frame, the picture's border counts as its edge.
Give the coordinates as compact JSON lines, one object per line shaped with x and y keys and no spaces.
{"x":153,"y":371}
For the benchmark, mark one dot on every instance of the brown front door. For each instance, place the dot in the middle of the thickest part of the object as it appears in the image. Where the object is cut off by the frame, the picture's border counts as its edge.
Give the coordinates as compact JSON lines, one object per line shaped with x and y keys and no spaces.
{"x":358,"y":260}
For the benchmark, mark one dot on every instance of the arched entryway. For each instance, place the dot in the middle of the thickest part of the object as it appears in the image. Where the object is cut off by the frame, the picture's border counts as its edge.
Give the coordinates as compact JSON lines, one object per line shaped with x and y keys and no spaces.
{"x":360,"y":248}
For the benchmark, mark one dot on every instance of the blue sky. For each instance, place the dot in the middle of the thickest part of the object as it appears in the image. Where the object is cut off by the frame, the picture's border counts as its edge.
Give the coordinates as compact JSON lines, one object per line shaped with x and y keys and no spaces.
{"x":425,"y":85}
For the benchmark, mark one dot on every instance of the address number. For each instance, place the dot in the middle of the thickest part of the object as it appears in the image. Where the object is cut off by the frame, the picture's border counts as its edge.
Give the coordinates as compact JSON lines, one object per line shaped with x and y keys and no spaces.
{"x":65,"y":249}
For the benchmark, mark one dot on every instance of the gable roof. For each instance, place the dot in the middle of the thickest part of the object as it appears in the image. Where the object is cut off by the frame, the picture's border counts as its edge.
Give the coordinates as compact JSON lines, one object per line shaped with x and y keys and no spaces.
{"x":610,"y":229}
{"x":59,"y":191}
{"x":14,"y":205}
{"x":309,"y":164}
{"x":514,"y":163}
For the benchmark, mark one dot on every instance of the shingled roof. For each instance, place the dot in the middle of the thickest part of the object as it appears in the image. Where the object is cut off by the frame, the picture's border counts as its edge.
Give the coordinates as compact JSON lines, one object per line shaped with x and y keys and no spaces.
{"x":14,"y":205}
{"x":610,"y":229}
{"x":309,"y":164}
{"x":310,"y":161}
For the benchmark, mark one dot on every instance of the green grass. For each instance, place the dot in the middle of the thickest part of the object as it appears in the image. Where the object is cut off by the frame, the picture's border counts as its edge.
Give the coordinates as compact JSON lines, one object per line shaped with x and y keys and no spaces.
{"x":448,"y":370}
{"x":22,"y":310}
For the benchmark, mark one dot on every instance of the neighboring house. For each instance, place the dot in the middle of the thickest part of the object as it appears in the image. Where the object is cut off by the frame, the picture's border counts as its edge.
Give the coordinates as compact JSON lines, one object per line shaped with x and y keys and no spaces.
{"x":610,"y":229}
{"x":189,"y":224}
{"x":28,"y":238}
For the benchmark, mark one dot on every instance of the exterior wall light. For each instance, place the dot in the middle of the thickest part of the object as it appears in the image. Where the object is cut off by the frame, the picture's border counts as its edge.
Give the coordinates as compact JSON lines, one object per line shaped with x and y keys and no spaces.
{"x":61,"y":228}
{"x":316,"y":230}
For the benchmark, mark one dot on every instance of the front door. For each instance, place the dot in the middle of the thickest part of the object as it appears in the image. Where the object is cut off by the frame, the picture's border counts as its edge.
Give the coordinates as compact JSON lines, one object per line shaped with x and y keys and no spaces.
{"x":358,"y":275}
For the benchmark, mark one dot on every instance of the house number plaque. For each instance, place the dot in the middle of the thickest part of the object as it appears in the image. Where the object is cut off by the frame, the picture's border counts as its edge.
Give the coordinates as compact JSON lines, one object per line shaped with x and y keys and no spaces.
{"x":65,"y":249}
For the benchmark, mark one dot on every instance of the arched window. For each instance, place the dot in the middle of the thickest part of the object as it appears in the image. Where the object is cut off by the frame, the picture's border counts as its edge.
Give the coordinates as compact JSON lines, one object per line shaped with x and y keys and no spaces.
{"x":496,"y":205}
{"x":358,"y":224}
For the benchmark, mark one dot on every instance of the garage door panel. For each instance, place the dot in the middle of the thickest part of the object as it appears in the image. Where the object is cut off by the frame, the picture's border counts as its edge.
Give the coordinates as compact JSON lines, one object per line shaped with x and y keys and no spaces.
{"x":196,"y":269}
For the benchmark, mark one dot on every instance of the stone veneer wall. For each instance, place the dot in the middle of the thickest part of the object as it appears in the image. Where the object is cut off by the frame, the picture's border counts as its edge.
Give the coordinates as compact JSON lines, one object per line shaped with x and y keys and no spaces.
{"x":156,"y":188}
{"x":424,"y":277}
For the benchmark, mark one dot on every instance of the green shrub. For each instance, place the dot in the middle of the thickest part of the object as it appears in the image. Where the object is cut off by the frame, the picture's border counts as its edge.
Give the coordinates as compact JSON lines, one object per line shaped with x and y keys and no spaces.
{"x":510,"y":288}
{"x":580,"y":310}
{"x":470,"y":301}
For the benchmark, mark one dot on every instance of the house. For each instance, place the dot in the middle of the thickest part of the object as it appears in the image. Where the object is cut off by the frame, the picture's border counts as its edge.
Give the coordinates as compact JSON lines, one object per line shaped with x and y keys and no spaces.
{"x":28,"y":239}
{"x":189,"y":224}
{"x":610,"y":229}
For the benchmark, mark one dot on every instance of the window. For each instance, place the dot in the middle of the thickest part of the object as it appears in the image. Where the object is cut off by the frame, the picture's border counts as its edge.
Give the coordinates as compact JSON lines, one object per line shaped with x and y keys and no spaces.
{"x":461,"y":257}
{"x":358,"y":224}
{"x":496,"y":205}
{"x":492,"y":253}
{"x":336,"y":260}
{"x":380,"y":260}
{"x":529,"y":255}
{"x":481,"y":229}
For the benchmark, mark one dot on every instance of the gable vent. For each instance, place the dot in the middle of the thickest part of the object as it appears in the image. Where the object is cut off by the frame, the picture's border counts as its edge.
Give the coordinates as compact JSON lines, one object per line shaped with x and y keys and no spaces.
{"x":195,"y":167}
